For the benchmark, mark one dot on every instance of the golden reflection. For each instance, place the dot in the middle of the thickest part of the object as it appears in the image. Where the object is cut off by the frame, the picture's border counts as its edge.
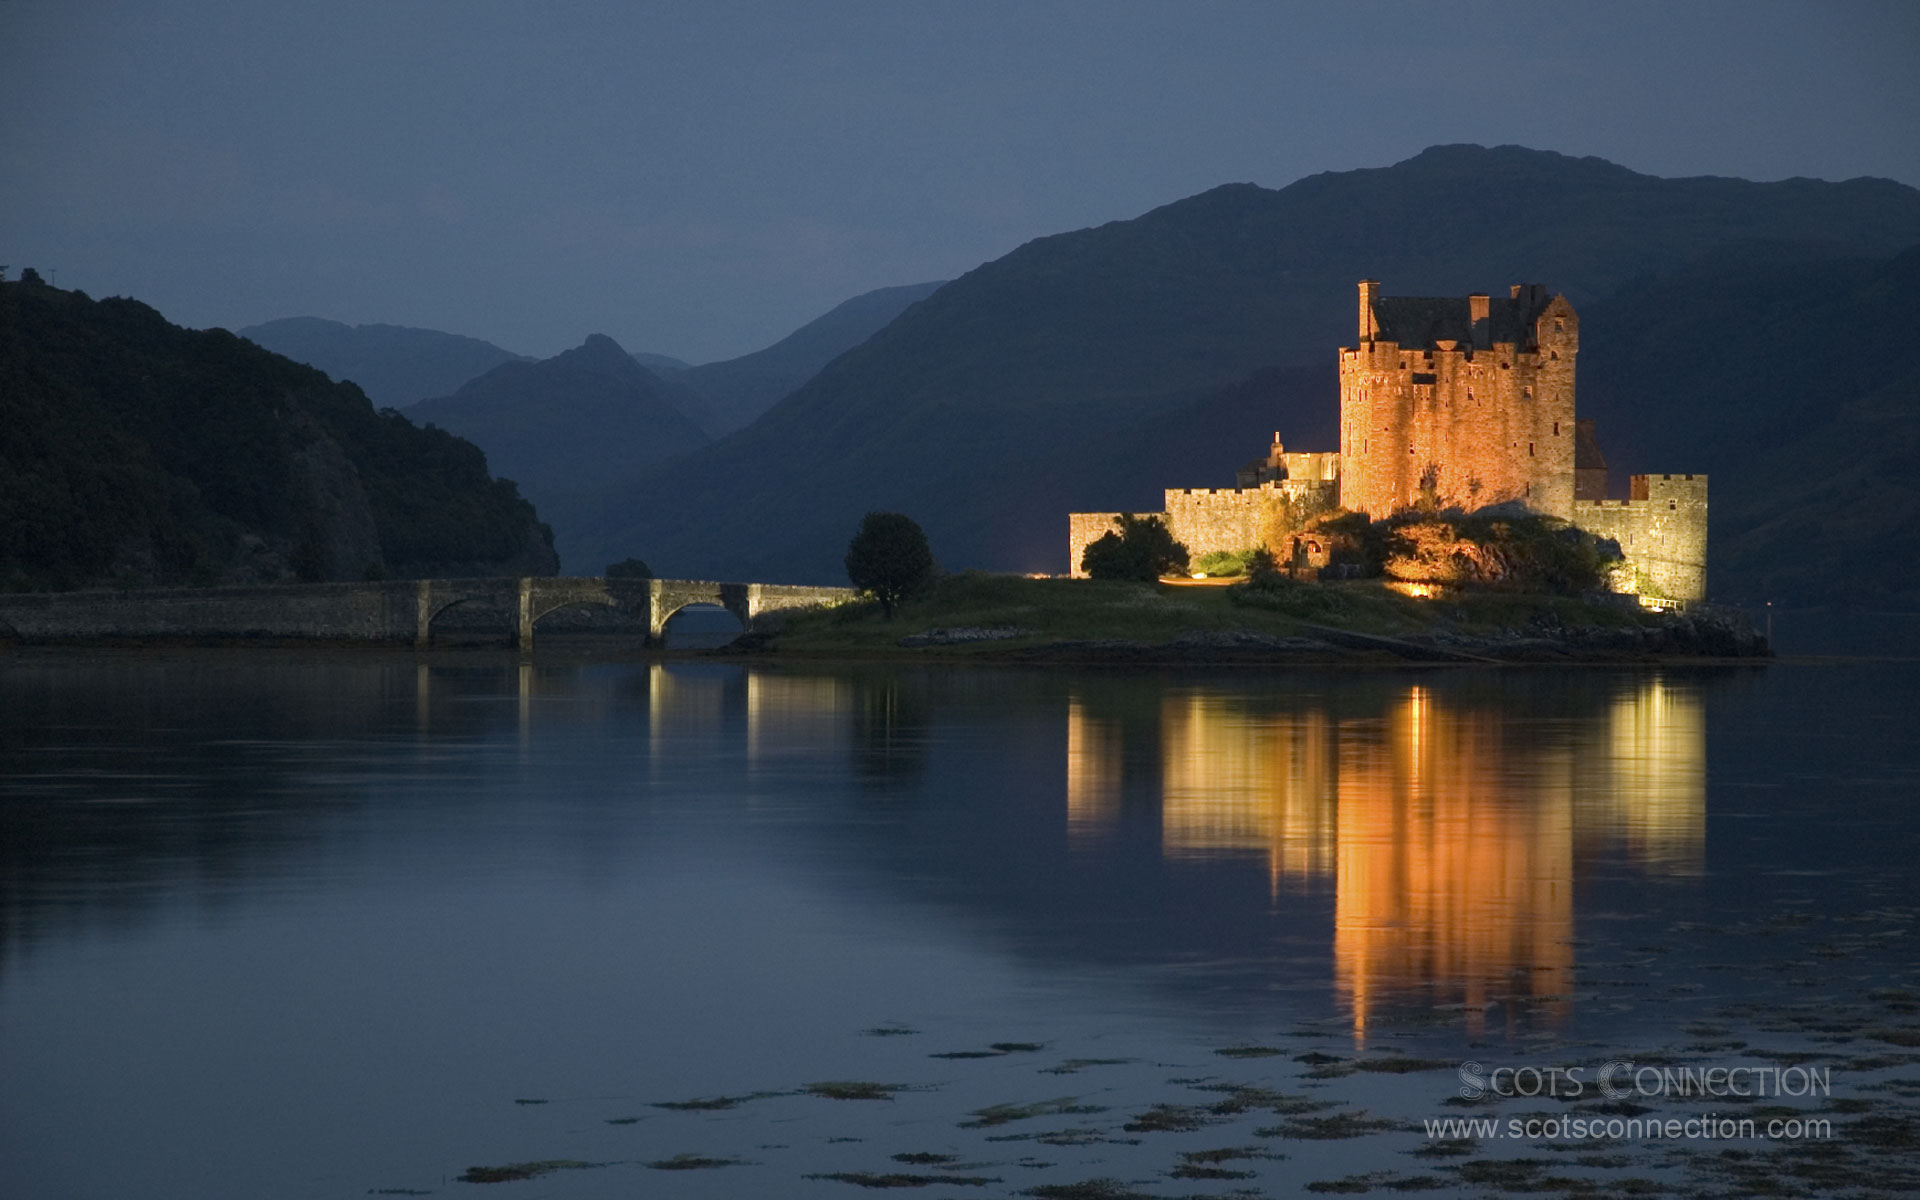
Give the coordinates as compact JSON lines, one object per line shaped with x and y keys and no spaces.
{"x":1450,"y":876}
{"x":795,"y":714}
{"x":1093,"y":772}
{"x":682,"y":705}
{"x":1235,"y":781}
{"x":1646,"y":789}
{"x":1449,"y":827}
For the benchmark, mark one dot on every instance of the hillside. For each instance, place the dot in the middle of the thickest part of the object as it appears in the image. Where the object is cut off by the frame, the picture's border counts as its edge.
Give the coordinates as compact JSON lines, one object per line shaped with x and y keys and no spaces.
{"x":1069,"y":339}
{"x":721,"y":397}
{"x":585,"y":419}
{"x":1788,"y":379}
{"x":394,"y":365}
{"x":136,"y":452}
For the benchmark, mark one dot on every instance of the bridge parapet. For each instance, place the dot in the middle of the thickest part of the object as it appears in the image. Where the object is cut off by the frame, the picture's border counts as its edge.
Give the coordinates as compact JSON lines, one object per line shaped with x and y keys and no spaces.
{"x":396,"y":611}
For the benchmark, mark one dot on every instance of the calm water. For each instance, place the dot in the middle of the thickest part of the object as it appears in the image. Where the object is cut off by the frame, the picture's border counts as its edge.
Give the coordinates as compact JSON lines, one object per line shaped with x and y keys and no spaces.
{"x":290,"y":924}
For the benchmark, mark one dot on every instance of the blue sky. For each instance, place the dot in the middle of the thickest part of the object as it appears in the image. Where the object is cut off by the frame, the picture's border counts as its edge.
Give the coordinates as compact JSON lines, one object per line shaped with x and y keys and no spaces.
{"x":697,"y":179}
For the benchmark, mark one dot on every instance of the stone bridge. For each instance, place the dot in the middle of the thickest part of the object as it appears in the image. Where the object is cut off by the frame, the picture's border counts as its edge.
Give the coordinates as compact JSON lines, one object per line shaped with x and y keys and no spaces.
{"x":398,"y":611}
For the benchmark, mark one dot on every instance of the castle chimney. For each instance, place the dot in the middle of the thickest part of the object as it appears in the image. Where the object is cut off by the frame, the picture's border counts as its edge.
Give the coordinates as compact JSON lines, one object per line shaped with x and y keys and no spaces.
{"x":1479,"y":311}
{"x":1369,"y":324}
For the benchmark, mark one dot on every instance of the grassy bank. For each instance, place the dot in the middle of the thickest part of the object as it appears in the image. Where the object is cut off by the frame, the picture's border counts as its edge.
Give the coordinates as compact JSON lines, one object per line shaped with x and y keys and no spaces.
{"x":983,"y":616}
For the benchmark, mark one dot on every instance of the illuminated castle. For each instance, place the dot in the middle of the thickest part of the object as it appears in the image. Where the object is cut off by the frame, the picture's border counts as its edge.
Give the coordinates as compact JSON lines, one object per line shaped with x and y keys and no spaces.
{"x":1467,"y":401}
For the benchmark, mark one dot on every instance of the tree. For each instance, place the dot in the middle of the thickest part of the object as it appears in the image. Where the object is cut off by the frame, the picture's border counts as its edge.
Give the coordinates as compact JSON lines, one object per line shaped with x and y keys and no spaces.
{"x":629,"y":568}
{"x":29,"y":275}
{"x":1143,"y":549}
{"x":889,"y":557}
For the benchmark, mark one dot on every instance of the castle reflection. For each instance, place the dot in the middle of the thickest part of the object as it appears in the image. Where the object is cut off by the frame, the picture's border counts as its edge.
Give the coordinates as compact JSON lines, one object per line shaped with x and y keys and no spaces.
{"x":1450,"y":830}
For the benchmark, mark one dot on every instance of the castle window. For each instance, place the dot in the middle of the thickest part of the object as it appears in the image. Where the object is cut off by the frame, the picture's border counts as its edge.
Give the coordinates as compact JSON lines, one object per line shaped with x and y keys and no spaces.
{"x":1670,"y":506}
{"x":1556,"y":429}
{"x":1559,"y":326}
{"x":1529,"y":449}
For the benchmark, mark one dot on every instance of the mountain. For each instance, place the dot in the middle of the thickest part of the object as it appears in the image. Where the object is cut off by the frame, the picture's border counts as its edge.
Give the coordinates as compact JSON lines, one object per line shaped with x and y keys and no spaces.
{"x":1791,"y":380}
{"x":660,"y":364}
{"x":589,"y":418}
{"x":393,"y":365}
{"x":136,"y":452}
{"x":721,"y":397}
{"x":1034,"y":357}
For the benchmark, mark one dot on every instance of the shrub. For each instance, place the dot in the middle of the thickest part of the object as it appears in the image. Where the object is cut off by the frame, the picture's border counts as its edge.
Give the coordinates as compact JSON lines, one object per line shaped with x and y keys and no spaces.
{"x":1277,"y":591}
{"x":1496,"y":549}
{"x":1142,"y":549}
{"x":1263,"y":571}
{"x":1225,"y":564}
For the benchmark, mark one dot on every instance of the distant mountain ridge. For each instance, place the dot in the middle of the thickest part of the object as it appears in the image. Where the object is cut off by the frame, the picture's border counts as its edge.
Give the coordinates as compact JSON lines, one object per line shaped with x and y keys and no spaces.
{"x":724,"y":396}
{"x":585,"y":419}
{"x":972,"y":397}
{"x":393,"y":364}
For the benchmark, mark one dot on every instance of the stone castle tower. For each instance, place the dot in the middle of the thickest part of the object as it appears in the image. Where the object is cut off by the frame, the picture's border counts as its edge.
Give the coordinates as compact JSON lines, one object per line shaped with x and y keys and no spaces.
{"x":1465,"y":401}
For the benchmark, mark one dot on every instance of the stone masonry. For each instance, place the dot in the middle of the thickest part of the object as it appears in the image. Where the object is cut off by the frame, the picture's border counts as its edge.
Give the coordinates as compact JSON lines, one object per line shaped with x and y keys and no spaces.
{"x":1465,"y":402}
{"x":396,"y":611}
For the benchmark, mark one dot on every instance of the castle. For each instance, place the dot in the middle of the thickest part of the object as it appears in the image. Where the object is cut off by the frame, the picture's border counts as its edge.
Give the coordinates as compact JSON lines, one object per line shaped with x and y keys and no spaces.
{"x":1479,"y":392}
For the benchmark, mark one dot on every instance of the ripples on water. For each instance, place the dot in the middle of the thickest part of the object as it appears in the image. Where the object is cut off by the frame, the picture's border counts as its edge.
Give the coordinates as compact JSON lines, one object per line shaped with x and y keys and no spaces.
{"x":319,"y":924}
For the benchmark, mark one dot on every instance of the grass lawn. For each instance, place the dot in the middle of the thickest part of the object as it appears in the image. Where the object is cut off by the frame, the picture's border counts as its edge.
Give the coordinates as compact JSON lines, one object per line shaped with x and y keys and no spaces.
{"x":1048,"y":611}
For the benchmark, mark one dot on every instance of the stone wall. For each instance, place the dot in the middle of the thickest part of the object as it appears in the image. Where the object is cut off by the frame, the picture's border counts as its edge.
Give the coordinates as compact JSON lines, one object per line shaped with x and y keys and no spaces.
{"x":1490,"y":424}
{"x":1206,"y":520}
{"x":356,"y":612}
{"x":1662,"y":531}
{"x":1314,"y":466}
{"x":397,"y":611}
{"x":1083,"y":529}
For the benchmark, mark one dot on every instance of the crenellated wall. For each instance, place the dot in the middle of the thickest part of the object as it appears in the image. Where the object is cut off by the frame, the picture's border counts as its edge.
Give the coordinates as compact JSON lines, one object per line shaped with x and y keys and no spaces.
{"x":1489,"y":423}
{"x":1205,"y":520}
{"x":1468,"y":402}
{"x":1662,"y":530}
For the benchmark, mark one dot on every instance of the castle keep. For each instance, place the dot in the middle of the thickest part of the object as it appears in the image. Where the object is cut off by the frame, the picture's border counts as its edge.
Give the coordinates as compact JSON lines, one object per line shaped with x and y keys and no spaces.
{"x":1465,"y":402}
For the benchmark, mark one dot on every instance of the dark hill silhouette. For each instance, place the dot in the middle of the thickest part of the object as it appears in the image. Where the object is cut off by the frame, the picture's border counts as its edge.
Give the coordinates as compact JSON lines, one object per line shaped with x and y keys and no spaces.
{"x":393,"y":364}
{"x":136,"y":452}
{"x":585,"y":419}
{"x":1790,"y":380}
{"x":721,"y":397}
{"x":1072,"y":338}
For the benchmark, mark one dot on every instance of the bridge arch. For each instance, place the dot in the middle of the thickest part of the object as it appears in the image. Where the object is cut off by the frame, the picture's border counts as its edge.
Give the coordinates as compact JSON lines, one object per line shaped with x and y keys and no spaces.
{"x":500,"y":619}
{"x":671,"y":596}
{"x":682,"y":628}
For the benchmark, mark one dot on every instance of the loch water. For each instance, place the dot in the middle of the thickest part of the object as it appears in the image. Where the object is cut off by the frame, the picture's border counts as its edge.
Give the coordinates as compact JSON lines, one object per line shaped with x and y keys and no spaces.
{"x":326,"y":924}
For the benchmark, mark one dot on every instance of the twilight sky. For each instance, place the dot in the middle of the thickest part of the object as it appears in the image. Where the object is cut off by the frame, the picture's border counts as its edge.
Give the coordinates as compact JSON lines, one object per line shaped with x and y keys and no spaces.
{"x":700,"y":178}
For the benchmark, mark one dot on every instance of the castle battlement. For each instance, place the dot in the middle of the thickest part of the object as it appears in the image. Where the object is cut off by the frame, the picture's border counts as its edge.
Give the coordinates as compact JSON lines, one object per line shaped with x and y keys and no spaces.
{"x":1463,"y":402}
